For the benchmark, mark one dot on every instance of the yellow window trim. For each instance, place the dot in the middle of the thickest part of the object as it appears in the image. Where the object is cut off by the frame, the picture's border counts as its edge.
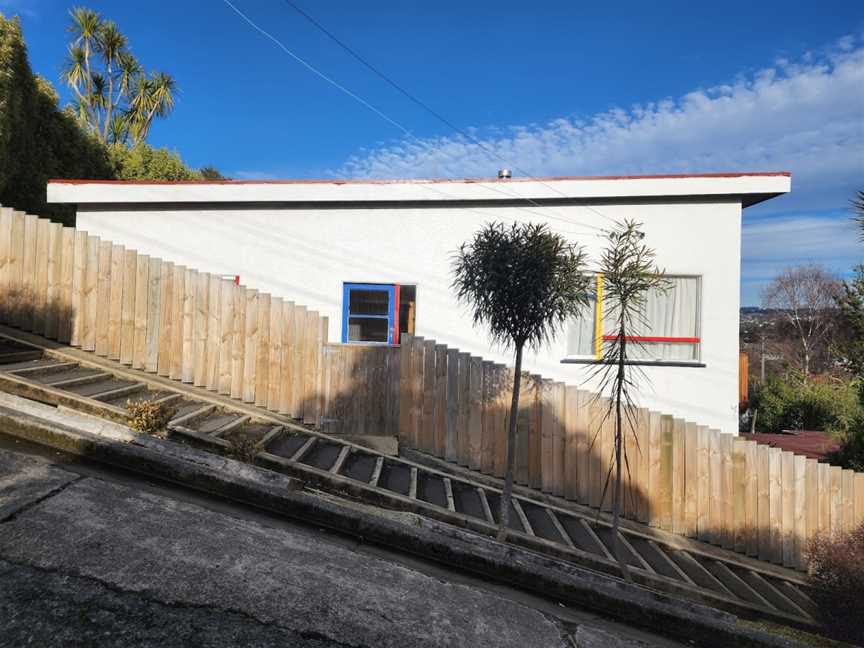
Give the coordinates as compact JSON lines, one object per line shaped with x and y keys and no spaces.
{"x":598,"y":320}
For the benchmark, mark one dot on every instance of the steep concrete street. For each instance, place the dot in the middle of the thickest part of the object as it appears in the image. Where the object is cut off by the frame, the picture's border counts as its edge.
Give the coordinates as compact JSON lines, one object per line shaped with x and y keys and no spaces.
{"x":93,"y":557}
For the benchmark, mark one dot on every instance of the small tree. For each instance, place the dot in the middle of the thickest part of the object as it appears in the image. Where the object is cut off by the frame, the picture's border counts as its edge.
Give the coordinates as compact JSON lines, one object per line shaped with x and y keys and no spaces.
{"x":850,"y":322}
{"x":523,"y":283}
{"x":629,"y":273}
{"x":805,"y":296}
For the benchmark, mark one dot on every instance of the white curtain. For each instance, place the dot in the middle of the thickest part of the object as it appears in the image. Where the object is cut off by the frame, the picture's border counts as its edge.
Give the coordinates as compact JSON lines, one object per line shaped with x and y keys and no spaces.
{"x":670,"y":313}
{"x":580,"y":333}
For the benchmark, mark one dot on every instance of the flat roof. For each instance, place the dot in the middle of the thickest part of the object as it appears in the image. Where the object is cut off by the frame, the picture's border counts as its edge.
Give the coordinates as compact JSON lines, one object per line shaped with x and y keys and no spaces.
{"x":752,"y":187}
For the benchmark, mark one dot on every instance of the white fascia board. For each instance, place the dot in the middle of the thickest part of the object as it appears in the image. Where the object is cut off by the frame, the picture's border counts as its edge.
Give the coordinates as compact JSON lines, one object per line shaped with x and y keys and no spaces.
{"x":82,"y":192}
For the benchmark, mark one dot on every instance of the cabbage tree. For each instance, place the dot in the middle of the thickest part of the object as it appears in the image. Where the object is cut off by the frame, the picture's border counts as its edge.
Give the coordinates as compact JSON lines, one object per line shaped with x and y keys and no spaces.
{"x":523,"y":283}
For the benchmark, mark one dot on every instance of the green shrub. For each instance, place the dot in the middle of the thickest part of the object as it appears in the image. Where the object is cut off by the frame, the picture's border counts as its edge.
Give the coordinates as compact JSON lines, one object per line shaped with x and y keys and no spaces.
{"x":38,"y":141}
{"x":143,"y":162}
{"x":797,"y":402}
{"x":851,"y":451}
{"x":149,"y":417}
{"x":835,"y":564}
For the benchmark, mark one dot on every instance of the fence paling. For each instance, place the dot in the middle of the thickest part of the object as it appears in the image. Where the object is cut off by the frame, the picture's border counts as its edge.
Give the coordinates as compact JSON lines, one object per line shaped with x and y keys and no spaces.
{"x":197,"y":327}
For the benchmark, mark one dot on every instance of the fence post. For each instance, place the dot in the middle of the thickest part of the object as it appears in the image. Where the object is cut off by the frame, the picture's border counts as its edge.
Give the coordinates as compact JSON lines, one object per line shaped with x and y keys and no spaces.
{"x":190,"y":286}
{"x":115,"y":308}
{"x":166,"y":301}
{"x":475,"y":413}
{"x":54,"y":302}
{"x":406,"y":370}
{"x":64,"y":325}
{"x":262,"y":353}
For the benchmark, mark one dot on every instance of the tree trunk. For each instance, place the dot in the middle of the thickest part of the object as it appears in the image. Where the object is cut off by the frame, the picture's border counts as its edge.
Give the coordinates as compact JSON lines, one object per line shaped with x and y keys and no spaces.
{"x":110,"y":109}
{"x":619,"y":438}
{"x":507,"y":495}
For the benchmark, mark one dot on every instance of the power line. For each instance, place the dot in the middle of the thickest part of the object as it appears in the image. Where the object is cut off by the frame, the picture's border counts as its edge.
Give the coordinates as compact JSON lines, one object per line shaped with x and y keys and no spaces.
{"x":392,"y":121}
{"x":314,"y":70}
{"x":424,"y":105}
{"x":485,"y":215}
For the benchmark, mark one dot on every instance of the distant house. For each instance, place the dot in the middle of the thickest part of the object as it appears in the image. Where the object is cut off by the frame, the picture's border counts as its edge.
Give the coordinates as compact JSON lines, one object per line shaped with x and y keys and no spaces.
{"x":375,"y":257}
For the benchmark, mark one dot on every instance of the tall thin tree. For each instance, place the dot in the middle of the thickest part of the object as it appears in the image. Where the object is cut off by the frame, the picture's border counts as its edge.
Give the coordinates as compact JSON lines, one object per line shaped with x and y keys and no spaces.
{"x":629,"y":273}
{"x":523,"y":283}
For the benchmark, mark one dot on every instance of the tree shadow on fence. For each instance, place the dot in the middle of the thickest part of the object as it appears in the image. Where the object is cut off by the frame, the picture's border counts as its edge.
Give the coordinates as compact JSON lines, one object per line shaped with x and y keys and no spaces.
{"x":51,"y":318}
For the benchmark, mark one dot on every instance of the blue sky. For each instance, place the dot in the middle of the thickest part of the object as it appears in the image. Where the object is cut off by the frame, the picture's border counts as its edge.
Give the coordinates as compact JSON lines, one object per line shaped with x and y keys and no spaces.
{"x":558,"y":87}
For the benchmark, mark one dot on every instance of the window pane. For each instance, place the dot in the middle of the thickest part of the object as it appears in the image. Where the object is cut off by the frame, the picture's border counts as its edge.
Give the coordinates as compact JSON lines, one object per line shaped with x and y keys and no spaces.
{"x":673,"y":313}
{"x":407,"y":308}
{"x":369,"y":302}
{"x":367,"y":329}
{"x":671,"y":351}
{"x":580,"y":333}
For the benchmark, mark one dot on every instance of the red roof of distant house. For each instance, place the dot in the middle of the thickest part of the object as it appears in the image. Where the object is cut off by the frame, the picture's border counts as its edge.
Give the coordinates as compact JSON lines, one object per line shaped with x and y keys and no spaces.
{"x":809,"y":443}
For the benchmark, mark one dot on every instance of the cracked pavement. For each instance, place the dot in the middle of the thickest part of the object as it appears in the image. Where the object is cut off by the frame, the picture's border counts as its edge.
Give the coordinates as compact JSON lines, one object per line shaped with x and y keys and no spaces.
{"x":88,"y":559}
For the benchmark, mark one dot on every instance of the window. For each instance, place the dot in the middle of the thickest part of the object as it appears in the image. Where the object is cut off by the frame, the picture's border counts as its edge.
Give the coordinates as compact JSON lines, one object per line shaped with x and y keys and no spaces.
{"x":670,"y":332}
{"x":377,"y":313}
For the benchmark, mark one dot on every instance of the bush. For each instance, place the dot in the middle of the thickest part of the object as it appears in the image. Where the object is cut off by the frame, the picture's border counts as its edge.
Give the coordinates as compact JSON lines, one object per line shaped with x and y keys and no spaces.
{"x":149,"y":417}
{"x":851,"y":451}
{"x":797,"y":402}
{"x":38,"y":141}
{"x":143,"y":162}
{"x":836,"y":567}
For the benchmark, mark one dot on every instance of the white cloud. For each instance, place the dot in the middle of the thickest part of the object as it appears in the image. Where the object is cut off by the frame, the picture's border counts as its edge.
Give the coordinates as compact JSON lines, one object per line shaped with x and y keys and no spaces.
{"x":805,"y":116}
{"x":772,"y":244}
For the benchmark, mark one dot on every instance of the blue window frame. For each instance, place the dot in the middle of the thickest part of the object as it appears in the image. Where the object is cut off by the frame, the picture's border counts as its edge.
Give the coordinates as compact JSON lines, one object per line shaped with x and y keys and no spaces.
{"x":369,"y":313}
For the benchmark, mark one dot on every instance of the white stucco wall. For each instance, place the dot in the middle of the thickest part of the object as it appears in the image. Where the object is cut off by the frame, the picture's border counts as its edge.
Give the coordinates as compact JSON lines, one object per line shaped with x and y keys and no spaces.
{"x":306,"y":253}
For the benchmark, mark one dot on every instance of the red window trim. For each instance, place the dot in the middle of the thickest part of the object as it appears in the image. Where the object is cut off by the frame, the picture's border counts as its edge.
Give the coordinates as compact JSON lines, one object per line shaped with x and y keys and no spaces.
{"x":651,"y":338}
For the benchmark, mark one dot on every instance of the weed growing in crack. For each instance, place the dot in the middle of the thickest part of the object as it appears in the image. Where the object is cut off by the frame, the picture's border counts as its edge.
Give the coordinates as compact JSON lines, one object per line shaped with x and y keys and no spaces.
{"x":242,"y":448}
{"x":149,"y":417}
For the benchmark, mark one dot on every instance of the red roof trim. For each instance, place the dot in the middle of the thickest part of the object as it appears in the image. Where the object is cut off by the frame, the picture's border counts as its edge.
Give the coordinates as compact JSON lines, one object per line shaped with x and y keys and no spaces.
{"x":654,"y":338}
{"x":338,"y":181}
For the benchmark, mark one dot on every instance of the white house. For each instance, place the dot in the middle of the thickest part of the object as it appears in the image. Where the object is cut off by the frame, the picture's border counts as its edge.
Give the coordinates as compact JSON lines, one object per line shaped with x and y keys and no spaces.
{"x":375,"y":257}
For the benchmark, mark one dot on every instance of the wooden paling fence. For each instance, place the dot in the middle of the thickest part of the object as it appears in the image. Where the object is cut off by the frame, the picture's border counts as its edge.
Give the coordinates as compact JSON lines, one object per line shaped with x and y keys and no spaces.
{"x":683,"y":477}
{"x":159,"y":317}
{"x":205,"y":330}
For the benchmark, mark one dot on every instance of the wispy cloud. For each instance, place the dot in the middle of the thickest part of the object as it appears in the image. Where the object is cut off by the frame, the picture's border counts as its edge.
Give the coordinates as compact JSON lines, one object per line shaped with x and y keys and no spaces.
{"x":21,"y":7}
{"x":805,"y":116}
{"x":771,"y":244}
{"x":254,"y":175}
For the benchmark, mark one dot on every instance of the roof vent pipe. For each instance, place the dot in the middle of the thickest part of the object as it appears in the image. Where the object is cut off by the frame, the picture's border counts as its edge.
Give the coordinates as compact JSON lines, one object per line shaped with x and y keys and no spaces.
{"x":504,"y":174}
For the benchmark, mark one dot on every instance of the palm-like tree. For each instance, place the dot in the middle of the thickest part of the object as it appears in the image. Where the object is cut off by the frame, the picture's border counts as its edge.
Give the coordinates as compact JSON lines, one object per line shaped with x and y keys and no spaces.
{"x":116,"y":100}
{"x":152,"y":97}
{"x":85,"y":27}
{"x":111,"y":45}
{"x":629,"y":272}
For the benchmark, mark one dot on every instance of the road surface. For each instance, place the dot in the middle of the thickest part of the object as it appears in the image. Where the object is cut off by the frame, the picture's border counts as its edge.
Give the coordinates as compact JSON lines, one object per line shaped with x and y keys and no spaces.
{"x":94,"y":557}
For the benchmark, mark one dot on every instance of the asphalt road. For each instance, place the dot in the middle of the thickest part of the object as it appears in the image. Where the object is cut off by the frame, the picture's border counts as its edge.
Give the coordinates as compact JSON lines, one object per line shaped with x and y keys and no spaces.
{"x":94,"y":557}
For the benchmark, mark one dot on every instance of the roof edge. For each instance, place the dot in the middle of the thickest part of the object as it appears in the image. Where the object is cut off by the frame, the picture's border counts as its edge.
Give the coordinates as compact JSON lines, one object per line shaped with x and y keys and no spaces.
{"x":383,"y":181}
